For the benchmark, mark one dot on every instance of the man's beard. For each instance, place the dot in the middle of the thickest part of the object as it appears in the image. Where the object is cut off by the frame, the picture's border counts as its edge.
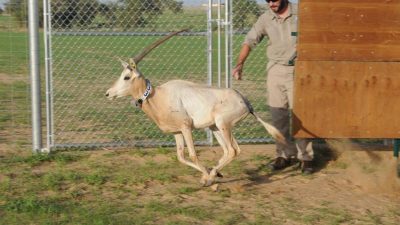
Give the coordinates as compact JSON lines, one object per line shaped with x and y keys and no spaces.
{"x":282,"y":6}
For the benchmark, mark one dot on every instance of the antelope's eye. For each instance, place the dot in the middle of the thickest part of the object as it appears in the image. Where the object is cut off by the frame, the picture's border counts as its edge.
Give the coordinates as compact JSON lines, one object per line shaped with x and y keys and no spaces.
{"x":127,"y":78}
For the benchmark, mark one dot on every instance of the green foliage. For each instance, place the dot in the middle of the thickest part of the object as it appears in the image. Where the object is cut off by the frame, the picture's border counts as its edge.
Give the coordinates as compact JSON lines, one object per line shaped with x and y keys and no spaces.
{"x":73,"y":12}
{"x":97,"y":178}
{"x":32,"y":204}
{"x":139,"y":13}
{"x":37,"y":159}
{"x":18,"y":9}
{"x":246,"y":12}
{"x":125,"y":14}
{"x":40,"y":158}
{"x":53,"y":180}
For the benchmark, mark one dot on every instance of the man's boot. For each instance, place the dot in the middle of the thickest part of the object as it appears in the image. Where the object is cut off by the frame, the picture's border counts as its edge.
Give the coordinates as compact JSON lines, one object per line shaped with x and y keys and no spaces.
{"x":307,"y":167}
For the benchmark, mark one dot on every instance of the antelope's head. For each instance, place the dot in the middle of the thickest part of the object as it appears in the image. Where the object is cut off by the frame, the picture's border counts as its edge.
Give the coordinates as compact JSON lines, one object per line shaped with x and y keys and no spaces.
{"x":123,"y":86}
{"x":130,"y":73}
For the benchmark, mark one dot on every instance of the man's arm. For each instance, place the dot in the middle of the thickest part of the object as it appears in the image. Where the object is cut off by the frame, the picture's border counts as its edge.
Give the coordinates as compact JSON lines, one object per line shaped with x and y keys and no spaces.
{"x":244,"y":52}
{"x":253,"y":37}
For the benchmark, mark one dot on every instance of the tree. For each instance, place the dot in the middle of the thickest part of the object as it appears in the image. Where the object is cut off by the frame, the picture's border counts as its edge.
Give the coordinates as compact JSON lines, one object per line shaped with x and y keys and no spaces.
{"x":67,"y":13}
{"x":139,"y":13}
{"x":244,"y":11}
{"x":18,"y":10}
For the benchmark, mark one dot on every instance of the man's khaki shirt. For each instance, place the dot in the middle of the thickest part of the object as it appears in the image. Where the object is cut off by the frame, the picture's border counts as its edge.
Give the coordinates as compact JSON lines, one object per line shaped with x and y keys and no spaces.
{"x":281,"y":34}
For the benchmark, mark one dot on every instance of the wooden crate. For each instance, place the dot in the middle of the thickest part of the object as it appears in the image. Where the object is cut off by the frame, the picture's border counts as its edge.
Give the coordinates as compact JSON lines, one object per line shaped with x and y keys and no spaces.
{"x":348,"y":70}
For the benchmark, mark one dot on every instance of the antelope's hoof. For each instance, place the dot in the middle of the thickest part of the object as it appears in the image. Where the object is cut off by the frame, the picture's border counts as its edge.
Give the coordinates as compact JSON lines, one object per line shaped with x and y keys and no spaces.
{"x":214,"y":187}
{"x":208,"y":183}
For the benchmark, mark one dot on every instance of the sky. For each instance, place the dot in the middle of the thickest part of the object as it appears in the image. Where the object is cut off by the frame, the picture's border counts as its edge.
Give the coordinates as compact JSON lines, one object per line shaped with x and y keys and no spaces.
{"x":2,"y":3}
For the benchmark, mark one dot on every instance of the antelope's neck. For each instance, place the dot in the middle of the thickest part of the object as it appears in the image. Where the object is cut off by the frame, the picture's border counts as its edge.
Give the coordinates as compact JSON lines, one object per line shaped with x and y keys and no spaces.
{"x":149,"y":105}
{"x":139,"y":87}
{"x":144,"y":94}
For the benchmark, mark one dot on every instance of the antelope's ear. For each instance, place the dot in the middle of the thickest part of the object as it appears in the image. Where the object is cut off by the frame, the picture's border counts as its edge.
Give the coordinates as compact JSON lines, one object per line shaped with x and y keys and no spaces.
{"x":123,"y":63}
{"x":132,"y":63}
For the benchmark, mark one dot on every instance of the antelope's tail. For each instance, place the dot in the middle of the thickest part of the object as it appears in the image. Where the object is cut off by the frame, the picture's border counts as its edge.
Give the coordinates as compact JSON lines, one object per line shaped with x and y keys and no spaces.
{"x":275,"y":133}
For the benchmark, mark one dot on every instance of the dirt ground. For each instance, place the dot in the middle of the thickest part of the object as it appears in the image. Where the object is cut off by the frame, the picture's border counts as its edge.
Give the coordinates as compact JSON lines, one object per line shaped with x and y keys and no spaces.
{"x":355,"y":179}
{"x":352,"y":185}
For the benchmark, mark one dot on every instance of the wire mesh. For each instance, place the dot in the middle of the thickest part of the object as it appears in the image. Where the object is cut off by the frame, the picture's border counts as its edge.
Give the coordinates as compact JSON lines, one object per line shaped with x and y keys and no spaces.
{"x":15,"y":129}
{"x":87,"y":39}
{"x":253,"y":85}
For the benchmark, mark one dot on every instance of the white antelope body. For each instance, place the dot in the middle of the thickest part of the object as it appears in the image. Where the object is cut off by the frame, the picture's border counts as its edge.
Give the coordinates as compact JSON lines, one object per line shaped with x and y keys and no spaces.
{"x":179,"y":106}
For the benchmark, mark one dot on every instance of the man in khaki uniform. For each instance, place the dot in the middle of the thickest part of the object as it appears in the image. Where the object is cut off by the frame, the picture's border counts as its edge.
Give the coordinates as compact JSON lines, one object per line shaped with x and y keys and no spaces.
{"x":279,"y":25}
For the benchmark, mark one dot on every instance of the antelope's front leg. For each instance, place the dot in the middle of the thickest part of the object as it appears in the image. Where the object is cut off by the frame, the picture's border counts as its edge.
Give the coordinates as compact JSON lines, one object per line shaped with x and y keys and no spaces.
{"x":187,"y":134}
{"x":180,"y":147}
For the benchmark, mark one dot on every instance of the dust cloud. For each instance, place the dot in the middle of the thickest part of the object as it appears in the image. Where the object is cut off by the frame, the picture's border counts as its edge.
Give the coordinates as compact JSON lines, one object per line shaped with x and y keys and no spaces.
{"x":372,"y":169}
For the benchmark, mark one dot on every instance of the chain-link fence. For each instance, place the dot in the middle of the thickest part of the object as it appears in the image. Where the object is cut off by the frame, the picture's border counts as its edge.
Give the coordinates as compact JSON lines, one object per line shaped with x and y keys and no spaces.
{"x":86,"y":38}
{"x":253,"y":85}
{"x":15,"y":128}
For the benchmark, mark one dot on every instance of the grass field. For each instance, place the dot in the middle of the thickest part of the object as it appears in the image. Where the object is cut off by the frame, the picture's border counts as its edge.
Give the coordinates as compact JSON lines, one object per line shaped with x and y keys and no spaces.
{"x":14,"y":85}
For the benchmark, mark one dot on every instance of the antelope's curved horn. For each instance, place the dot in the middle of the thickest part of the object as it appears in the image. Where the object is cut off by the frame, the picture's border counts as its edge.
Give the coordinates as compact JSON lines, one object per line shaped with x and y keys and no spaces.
{"x":148,"y":49}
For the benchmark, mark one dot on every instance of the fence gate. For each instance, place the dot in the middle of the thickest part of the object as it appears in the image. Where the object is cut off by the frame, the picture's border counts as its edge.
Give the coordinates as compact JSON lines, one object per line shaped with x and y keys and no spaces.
{"x":85,"y":38}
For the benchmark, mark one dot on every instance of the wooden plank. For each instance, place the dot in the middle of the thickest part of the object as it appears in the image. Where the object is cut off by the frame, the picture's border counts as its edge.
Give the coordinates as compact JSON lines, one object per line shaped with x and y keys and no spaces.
{"x":339,"y":15}
{"x":349,"y":52}
{"x":349,"y":30}
{"x":383,"y":2}
{"x":347,"y":99}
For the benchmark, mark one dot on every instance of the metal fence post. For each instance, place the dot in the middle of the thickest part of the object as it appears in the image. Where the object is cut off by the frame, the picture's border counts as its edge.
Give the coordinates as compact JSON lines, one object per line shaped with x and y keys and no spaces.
{"x":209,"y":58}
{"x":48,"y":60}
{"x":33,"y":24}
{"x":228,"y":43}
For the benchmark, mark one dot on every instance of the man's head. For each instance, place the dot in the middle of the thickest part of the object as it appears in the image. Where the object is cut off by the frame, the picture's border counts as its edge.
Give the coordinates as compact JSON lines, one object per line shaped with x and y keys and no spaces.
{"x":278,"y":6}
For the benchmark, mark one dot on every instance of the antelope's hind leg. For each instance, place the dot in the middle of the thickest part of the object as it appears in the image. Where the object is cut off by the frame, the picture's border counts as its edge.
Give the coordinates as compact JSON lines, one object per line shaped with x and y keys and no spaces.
{"x":228,"y":143}
{"x":221,"y":142}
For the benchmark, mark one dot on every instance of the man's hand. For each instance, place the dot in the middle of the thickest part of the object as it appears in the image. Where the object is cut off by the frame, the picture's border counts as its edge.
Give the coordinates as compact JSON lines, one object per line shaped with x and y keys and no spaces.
{"x":237,"y":71}
{"x":244,"y":52}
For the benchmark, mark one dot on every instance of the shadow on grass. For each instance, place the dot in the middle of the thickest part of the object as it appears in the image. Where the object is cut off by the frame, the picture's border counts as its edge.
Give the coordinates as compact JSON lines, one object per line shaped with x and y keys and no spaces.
{"x":323,"y":154}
